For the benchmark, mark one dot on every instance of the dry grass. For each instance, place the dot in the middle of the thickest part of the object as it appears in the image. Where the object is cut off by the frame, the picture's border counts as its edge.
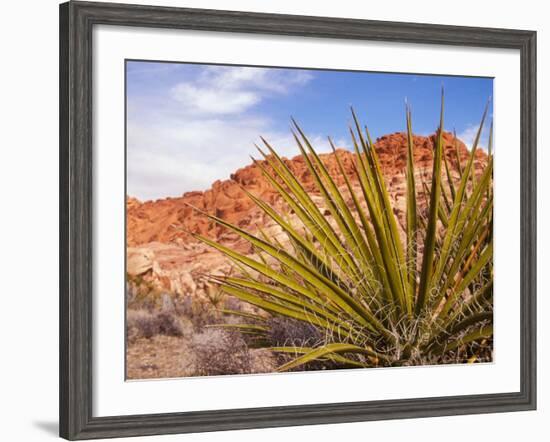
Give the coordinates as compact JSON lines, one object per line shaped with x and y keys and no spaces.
{"x":160,"y":356}
{"x":168,"y":338}
{"x":172,"y":338}
{"x":146,"y":324}
{"x":219,"y":352}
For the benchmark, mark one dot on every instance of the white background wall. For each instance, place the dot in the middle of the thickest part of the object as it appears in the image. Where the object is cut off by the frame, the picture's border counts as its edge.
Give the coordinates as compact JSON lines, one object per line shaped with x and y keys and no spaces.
{"x":29,"y":204}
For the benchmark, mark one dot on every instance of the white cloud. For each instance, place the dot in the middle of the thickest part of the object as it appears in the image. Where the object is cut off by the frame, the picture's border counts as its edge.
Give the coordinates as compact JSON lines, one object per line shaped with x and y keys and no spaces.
{"x":170,"y":157}
{"x":274,"y":80}
{"x":214,"y":101}
{"x":468,"y":136}
{"x":234,"y":90}
{"x":203,"y":129}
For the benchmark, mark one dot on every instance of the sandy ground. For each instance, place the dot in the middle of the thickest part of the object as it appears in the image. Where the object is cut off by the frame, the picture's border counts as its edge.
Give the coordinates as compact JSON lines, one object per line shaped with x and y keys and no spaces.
{"x":159,"y":357}
{"x":172,"y":357}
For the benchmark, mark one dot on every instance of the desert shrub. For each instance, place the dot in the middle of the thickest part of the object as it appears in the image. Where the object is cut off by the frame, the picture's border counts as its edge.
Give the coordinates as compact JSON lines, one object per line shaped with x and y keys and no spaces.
{"x":199,"y":312}
{"x":146,"y":324}
{"x":141,"y":293}
{"x":377,"y":296}
{"x":220,"y":352}
{"x":215,"y":295}
{"x":233,"y":304}
{"x":282,"y":331}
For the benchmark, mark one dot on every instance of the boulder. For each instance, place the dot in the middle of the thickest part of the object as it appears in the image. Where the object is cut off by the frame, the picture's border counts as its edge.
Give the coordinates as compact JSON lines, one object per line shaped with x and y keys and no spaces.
{"x":139,"y":260}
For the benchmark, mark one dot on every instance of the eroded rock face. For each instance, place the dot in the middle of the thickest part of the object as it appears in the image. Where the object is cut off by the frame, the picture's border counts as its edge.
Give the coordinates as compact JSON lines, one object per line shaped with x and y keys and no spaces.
{"x":161,"y":249}
{"x":139,"y":260}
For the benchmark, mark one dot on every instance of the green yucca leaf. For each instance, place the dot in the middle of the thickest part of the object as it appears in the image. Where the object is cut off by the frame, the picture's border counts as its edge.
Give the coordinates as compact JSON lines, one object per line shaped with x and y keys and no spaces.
{"x":336,"y":328}
{"x":447,"y":207}
{"x":412,"y":215}
{"x":310,"y":214}
{"x":457,"y":153}
{"x":385,"y":225}
{"x":320,"y":260}
{"x":336,"y":204}
{"x":385,"y":265}
{"x":482,"y":295}
{"x":452,"y":229}
{"x":468,"y":322}
{"x":334,"y":293}
{"x":331,"y":356}
{"x":481,"y":333}
{"x":313,"y":306}
{"x":476,"y":225}
{"x":393,"y":239}
{"x":377,"y":295}
{"x":470,"y":275}
{"x":243,"y":314}
{"x":441,"y":212}
{"x":367,"y":184}
{"x":320,"y":352}
{"x":242,"y":327}
{"x":450,"y":180}
{"x":430,"y":239}
{"x":374,"y":259}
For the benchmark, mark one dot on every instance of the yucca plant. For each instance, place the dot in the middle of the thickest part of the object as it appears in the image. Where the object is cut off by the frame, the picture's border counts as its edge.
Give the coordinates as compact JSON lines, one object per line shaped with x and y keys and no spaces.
{"x":379,"y":293}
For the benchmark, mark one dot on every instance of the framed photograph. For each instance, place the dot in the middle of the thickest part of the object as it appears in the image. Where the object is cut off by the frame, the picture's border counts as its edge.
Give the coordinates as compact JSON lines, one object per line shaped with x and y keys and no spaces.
{"x":271,"y":220}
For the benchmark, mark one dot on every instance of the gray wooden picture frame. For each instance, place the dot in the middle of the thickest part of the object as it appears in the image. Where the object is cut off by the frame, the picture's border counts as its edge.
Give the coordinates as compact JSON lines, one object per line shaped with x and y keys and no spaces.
{"x":77,"y":20}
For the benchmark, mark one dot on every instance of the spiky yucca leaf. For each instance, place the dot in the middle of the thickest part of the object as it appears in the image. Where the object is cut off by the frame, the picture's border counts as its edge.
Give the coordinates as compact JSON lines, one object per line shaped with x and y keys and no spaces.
{"x":378,"y":298}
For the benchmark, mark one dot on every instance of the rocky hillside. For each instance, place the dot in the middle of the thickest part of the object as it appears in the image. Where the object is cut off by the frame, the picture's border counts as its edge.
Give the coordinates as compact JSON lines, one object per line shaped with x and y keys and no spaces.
{"x":162,"y":252}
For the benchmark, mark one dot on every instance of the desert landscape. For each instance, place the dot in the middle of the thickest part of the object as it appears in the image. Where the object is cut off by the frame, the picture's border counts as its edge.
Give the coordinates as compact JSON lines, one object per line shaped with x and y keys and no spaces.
{"x":182,"y":320}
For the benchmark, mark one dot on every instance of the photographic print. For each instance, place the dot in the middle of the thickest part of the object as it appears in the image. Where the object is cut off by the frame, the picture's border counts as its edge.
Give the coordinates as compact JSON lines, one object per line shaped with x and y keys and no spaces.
{"x":284,"y":219}
{"x":252,"y":203}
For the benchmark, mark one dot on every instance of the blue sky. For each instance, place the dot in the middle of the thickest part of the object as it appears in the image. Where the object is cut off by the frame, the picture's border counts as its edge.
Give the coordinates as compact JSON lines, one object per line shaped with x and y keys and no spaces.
{"x":189,"y":125}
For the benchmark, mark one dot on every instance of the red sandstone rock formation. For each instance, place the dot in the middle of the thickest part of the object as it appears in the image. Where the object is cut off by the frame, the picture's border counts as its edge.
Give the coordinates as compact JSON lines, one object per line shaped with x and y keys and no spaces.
{"x":162,"y":252}
{"x":167,"y":220}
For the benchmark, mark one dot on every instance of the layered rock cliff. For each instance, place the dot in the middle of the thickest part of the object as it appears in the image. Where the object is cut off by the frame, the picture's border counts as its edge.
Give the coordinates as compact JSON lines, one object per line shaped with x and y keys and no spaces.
{"x":161,"y":250}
